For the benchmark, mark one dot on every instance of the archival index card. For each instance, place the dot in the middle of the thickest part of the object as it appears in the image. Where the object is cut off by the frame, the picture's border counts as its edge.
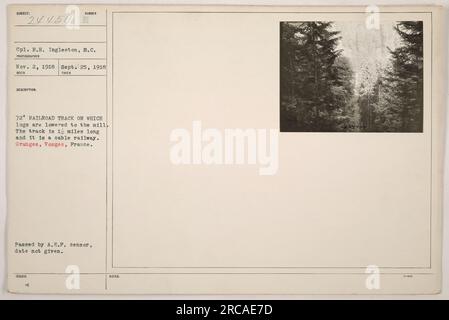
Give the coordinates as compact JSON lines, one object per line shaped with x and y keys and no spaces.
{"x":225,"y":150}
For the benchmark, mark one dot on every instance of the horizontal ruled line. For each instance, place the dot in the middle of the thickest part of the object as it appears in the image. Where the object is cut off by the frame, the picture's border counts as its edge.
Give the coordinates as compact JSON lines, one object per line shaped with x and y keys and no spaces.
{"x":59,"y":41}
{"x":59,"y":58}
{"x":59,"y":25}
{"x":224,"y":273}
{"x":62,"y":75}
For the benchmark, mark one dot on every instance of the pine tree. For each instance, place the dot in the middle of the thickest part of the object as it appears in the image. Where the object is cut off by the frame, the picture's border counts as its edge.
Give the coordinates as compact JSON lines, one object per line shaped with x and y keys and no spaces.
{"x":395,"y":103}
{"x":315,"y":84}
{"x":405,"y":79}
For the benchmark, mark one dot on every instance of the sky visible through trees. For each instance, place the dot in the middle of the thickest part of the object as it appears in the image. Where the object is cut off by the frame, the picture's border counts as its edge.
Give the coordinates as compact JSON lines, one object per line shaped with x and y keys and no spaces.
{"x":344,"y":77}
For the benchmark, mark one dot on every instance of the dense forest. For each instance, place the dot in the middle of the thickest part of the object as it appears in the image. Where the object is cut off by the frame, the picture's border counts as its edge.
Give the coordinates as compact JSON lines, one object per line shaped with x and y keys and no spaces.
{"x":317,"y":84}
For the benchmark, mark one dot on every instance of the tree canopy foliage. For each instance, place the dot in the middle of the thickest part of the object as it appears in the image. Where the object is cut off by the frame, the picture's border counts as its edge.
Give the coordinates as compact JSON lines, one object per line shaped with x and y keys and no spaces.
{"x":317,"y":83}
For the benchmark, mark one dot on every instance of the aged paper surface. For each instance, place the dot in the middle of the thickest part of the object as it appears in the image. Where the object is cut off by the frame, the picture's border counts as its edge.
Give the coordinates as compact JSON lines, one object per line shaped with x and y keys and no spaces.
{"x":216,"y":150}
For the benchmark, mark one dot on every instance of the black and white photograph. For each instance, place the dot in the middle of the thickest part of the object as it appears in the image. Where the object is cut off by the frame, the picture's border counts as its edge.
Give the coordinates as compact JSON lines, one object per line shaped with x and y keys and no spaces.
{"x":347,"y":77}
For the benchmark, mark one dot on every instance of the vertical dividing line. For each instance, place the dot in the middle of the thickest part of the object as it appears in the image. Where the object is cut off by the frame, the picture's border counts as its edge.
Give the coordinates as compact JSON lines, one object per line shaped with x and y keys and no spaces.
{"x":107,"y":129}
{"x":112,"y":141}
{"x":431,"y":123}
